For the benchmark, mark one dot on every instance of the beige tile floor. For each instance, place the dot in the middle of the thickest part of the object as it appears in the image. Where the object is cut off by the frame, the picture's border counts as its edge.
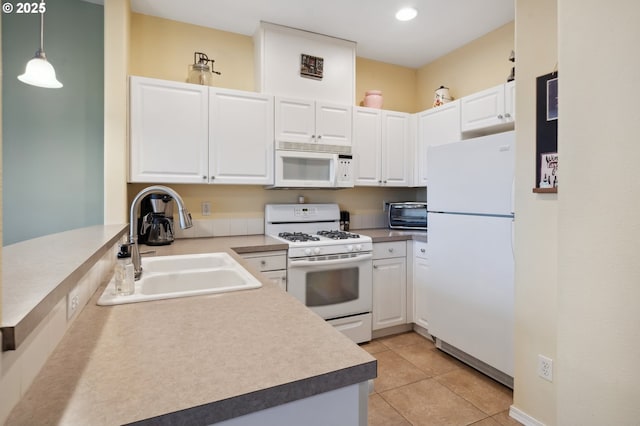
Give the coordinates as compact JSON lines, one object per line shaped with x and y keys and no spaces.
{"x":419,"y":385}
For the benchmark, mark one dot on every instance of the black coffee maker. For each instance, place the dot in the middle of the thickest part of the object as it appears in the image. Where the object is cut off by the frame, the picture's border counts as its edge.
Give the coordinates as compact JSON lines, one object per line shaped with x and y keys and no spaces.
{"x":155,"y":225}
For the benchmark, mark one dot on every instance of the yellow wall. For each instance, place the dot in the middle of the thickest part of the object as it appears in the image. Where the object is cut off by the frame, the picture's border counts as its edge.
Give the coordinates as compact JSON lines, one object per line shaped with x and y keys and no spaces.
{"x":536,"y":219}
{"x":397,"y":84}
{"x":162,"y":48}
{"x":481,"y":64}
{"x":116,"y":59}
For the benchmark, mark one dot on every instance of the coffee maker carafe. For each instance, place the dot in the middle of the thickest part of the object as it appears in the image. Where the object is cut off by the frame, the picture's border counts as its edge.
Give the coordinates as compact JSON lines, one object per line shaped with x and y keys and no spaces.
{"x":155,"y":225}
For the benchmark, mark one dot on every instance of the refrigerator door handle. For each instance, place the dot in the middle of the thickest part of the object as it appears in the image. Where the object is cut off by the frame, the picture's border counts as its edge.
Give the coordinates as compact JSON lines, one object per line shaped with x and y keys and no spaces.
{"x":513,"y":239}
{"x":513,"y":195}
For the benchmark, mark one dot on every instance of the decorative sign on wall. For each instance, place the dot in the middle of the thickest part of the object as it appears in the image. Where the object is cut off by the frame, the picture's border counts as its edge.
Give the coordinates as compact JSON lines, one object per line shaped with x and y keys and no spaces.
{"x":547,"y":131}
{"x":311,"y":66}
{"x":549,"y":170}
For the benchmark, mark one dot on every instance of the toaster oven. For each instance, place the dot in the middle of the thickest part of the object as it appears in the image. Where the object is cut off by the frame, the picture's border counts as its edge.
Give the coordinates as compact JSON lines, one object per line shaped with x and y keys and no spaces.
{"x":408,"y":215}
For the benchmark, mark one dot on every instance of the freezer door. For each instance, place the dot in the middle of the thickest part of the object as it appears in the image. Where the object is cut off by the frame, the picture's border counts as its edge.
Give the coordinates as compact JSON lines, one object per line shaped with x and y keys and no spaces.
{"x":473,"y":175}
{"x":470,"y":286}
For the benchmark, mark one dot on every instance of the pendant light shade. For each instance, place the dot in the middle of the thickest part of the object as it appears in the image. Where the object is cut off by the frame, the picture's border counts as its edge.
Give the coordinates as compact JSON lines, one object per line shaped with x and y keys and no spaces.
{"x":39,"y":72}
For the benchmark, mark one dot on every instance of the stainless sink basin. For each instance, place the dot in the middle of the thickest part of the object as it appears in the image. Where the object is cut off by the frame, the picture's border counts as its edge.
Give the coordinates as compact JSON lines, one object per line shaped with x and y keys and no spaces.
{"x":167,"y":277}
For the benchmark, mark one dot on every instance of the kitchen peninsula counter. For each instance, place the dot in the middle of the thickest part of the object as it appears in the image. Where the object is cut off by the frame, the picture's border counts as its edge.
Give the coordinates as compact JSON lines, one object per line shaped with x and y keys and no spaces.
{"x":192,"y":360}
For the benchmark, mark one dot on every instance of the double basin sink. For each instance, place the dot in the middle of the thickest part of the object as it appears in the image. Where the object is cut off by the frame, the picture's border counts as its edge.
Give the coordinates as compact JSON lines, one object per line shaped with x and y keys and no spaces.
{"x":167,"y":277}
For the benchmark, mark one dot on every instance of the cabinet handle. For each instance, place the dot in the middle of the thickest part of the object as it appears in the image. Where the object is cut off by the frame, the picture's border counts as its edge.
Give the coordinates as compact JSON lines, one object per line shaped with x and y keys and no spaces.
{"x":375,"y":266}
{"x":422,"y":250}
{"x":384,"y":181}
{"x":213,"y":177}
{"x":500,"y":117}
{"x":313,"y":136}
{"x":263,"y":262}
{"x":319,"y":136}
{"x":204,"y":177}
{"x":507,"y":115}
{"x":391,"y":250}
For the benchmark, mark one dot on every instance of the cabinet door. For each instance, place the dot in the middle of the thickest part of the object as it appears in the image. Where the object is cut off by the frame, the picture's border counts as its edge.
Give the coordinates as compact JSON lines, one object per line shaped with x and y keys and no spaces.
{"x":435,"y":126}
{"x":389,"y":292}
{"x":510,"y":101}
{"x":420,"y":271}
{"x":277,"y":277}
{"x":396,"y":149}
{"x":483,"y":109}
{"x":367,"y":137}
{"x":295,"y":120}
{"x":168,"y":131}
{"x":240,"y":137}
{"x":333,"y":124}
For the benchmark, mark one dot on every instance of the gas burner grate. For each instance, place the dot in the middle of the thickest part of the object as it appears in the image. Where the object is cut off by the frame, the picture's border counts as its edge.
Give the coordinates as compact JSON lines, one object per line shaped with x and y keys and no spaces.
{"x":338,"y":235}
{"x":297,"y":236}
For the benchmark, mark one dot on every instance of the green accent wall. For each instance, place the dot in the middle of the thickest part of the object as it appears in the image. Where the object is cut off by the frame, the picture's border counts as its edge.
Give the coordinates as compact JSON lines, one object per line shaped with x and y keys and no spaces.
{"x":53,"y":159}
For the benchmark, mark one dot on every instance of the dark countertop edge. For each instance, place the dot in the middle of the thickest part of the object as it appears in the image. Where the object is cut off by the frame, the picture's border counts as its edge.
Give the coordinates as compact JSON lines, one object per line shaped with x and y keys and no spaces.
{"x":277,"y":246}
{"x":266,"y":398}
{"x":14,"y":335}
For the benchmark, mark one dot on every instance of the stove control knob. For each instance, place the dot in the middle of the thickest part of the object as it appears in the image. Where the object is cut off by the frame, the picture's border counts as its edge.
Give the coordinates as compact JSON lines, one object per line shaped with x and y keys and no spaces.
{"x":349,"y":247}
{"x":358,"y":247}
{"x":307,"y":251}
{"x":316,"y":250}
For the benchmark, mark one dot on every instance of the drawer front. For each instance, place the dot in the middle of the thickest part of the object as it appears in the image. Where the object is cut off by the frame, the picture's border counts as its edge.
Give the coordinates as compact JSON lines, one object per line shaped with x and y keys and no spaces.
{"x":390,"y":249}
{"x":420,"y":249}
{"x":267,"y":263}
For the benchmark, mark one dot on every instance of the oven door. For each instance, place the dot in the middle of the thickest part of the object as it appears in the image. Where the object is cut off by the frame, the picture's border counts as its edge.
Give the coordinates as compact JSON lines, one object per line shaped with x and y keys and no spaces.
{"x":333,"y":286}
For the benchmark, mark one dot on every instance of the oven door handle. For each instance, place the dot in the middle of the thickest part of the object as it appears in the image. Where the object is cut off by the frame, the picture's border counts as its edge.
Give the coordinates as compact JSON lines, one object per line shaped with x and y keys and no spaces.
{"x":301,"y":263}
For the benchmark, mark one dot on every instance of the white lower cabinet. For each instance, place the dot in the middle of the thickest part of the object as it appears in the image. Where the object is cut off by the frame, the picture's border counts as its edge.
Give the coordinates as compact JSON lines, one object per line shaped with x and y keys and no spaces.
{"x":420,"y":269}
{"x":389,"y":284}
{"x":272,"y":264}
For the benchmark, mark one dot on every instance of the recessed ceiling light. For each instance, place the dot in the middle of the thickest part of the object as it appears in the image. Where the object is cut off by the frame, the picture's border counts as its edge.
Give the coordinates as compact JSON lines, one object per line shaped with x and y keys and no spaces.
{"x":406,"y":14}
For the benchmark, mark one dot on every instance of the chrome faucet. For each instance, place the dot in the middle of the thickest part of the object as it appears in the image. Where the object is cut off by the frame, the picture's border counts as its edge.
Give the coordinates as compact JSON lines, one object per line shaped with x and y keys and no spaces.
{"x":183,"y":213}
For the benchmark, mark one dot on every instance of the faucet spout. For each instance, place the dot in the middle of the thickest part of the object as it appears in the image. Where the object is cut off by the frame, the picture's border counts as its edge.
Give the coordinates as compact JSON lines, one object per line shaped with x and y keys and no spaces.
{"x":183,"y":213}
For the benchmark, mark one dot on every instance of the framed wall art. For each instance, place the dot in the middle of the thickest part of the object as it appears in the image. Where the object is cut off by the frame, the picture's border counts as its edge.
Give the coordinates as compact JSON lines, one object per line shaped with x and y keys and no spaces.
{"x":311,"y":66}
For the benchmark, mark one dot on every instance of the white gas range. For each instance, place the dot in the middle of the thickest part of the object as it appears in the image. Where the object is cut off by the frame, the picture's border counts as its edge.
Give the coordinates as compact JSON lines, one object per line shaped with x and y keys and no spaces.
{"x":327,"y":269}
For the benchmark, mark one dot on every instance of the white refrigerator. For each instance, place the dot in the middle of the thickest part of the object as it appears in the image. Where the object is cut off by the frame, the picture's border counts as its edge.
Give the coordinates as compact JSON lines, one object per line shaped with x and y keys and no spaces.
{"x":470,"y":281}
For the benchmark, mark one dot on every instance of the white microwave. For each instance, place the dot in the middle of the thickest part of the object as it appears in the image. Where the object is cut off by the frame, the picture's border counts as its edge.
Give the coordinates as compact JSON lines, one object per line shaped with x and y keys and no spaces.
{"x":306,"y":169}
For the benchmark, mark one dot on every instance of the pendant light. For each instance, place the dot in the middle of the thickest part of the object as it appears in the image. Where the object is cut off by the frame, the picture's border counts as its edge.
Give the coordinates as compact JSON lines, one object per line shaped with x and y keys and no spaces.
{"x":39,"y":72}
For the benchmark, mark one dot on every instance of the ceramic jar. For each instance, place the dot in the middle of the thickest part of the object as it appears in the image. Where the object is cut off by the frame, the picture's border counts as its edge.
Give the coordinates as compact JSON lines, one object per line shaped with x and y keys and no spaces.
{"x":373,"y":99}
{"x":442,"y":96}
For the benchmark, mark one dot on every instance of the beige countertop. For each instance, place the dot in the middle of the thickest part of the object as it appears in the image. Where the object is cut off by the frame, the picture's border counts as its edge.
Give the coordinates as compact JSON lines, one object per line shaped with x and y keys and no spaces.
{"x":193,"y":360}
{"x":37,"y":273}
{"x":380,"y":235}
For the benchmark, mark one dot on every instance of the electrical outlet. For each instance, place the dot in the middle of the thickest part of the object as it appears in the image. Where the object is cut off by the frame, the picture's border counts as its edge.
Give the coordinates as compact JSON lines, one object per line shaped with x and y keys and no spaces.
{"x":73,"y":301}
{"x":545,"y":367}
{"x":206,"y":208}
{"x":385,"y":205}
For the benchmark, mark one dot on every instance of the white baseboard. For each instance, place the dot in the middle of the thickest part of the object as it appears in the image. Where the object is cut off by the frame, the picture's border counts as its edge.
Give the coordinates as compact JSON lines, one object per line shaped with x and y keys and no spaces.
{"x":523,"y":417}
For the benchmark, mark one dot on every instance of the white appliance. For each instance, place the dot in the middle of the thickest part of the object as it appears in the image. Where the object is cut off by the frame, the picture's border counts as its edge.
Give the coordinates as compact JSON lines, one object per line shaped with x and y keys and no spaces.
{"x":327,"y":269}
{"x":303,"y":165}
{"x":470,"y":297}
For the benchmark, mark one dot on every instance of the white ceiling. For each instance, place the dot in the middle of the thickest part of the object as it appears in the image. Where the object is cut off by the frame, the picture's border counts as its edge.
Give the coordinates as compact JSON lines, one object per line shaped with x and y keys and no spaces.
{"x":440,"y":27}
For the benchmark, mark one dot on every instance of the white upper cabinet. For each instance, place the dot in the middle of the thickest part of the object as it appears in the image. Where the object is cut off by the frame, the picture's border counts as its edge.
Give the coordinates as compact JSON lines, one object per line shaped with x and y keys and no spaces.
{"x":187,"y":133}
{"x":489,"y":109}
{"x":308,"y":121}
{"x":396,"y":148}
{"x":168,"y":131}
{"x":381,"y":147}
{"x":367,"y":140}
{"x":240,"y":137}
{"x":435,"y":126}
